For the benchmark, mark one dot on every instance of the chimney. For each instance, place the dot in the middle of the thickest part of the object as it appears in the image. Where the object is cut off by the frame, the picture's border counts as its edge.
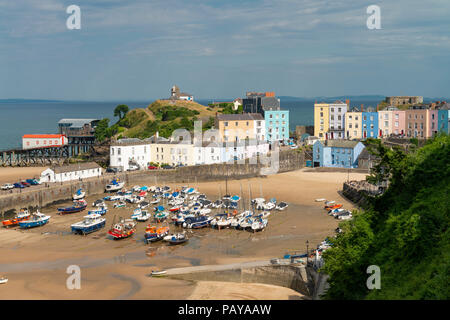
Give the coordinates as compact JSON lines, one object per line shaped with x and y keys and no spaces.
{"x":347,"y":102}
{"x":156,"y":134}
{"x":362,"y":108}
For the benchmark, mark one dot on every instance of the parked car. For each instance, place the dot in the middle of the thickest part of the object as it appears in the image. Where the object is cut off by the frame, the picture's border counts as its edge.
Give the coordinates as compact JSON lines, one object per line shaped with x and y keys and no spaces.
{"x":33,"y":182}
{"x":152,"y":168}
{"x":18,"y":185}
{"x":114,"y":170}
{"x":26,"y":184}
{"x":166,"y":166}
{"x":133,"y":167}
{"x":7,"y":186}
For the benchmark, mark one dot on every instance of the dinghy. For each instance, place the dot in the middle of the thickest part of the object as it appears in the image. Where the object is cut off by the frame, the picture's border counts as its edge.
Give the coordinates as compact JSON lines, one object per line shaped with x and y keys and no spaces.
{"x":79,"y":194}
{"x":3,"y":280}
{"x":281,"y":206}
{"x":158,"y":273}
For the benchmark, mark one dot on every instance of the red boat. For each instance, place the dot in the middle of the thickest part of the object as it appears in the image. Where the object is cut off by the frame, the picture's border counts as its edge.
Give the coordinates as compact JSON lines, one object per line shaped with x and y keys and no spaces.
{"x":335,"y":206}
{"x":174,"y":209}
{"x":123,"y":229}
{"x":21,"y":216}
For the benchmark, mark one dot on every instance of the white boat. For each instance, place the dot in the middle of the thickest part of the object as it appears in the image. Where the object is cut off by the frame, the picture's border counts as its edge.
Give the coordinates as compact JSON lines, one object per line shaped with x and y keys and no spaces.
{"x":144,"y":216}
{"x":115,"y":185}
{"x":281,"y":206}
{"x":3,"y":280}
{"x":158,"y":273}
{"x":259,"y":225}
{"x":327,"y":203}
{"x":91,"y":223}
{"x":224,"y":222}
{"x":269,"y":206}
{"x":136,"y":189}
{"x":157,"y":200}
{"x":120,"y":204}
{"x":320,"y":200}
{"x":80,"y":194}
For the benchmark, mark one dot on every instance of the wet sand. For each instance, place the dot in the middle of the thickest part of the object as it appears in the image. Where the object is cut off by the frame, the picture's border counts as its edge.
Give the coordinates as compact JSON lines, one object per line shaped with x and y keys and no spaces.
{"x":35,"y":260}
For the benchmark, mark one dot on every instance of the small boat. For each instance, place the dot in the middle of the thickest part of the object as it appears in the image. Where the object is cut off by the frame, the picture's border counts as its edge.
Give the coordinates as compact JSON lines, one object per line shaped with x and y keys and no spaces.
{"x":79,"y":194}
{"x":175,"y":209}
{"x":144,"y":205}
{"x":161,"y":215}
{"x":281,"y":206}
{"x":3,"y":280}
{"x":115,"y":185}
{"x":100,"y":210}
{"x":23,"y":215}
{"x":159,"y":208}
{"x":336,"y":206}
{"x":113,"y":198}
{"x":98,"y":203}
{"x":120,"y":204}
{"x":320,"y":200}
{"x":235,"y":198}
{"x":142,"y":216}
{"x":259,"y":224}
{"x":36,"y":219}
{"x":176,"y":238}
{"x":79,"y":205}
{"x":197,"y":222}
{"x":91,"y":223}
{"x":123,"y":229}
{"x":154,"y":233}
{"x":158,"y":273}
{"x":136,"y":189}
{"x":327,"y":203}
{"x":155,"y":201}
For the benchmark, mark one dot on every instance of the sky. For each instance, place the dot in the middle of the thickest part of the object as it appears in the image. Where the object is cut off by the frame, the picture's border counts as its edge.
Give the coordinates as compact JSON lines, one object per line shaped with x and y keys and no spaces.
{"x":136,"y":50}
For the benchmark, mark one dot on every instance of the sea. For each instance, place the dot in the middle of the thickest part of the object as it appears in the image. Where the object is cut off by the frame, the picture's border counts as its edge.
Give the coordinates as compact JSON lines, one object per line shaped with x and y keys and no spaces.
{"x":41,"y":117}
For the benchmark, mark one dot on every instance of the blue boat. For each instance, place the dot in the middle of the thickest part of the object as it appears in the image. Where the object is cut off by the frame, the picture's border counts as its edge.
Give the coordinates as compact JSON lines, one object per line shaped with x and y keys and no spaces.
{"x":197,"y":222}
{"x":91,"y":223}
{"x":144,"y":188}
{"x":36,"y":220}
{"x":101,"y":211}
{"x":77,"y":207}
{"x":159,"y":209}
{"x":235,"y":198}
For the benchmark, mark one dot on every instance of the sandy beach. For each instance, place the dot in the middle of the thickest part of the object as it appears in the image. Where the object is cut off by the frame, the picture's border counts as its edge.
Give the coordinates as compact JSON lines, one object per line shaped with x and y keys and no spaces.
{"x":35,"y":260}
{"x":16,"y":174}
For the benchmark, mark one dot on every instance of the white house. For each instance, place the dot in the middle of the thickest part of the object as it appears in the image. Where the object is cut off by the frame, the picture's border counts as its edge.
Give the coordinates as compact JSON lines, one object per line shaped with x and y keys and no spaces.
{"x":236,"y":103}
{"x":30,"y":141}
{"x":186,"y":96}
{"x":128,"y":152}
{"x":71,"y":172}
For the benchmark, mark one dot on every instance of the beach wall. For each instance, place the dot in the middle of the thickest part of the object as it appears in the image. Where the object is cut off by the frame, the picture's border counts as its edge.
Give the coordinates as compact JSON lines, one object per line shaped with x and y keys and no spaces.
{"x":359,"y":192}
{"x":40,"y":196}
{"x":290,"y":276}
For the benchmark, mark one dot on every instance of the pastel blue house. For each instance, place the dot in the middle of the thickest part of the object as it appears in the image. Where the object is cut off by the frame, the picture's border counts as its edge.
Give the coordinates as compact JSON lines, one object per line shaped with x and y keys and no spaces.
{"x":277,"y":125}
{"x":337,"y":153}
{"x":369,"y":125}
{"x":444,"y":119}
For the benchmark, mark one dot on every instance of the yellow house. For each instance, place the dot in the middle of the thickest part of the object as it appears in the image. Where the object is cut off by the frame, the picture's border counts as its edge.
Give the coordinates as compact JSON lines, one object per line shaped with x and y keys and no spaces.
{"x":353,"y":125}
{"x":238,"y":127}
{"x":321,"y":120}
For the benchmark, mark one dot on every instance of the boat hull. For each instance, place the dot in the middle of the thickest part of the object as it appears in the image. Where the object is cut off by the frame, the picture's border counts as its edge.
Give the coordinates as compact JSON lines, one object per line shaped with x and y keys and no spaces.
{"x":14,"y":222}
{"x":118,"y":236}
{"x":88,"y":229}
{"x":32,"y":224}
{"x":71,"y":210}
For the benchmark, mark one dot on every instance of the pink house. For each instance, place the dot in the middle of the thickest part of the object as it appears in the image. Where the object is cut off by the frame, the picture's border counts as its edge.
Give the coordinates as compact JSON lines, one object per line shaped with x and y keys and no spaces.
{"x":432,"y":119}
{"x":398,"y":123}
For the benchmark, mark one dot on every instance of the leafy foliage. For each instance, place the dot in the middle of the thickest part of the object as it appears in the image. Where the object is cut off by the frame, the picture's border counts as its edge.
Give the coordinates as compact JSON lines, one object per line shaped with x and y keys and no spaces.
{"x":121,"y":110}
{"x":404,"y":232}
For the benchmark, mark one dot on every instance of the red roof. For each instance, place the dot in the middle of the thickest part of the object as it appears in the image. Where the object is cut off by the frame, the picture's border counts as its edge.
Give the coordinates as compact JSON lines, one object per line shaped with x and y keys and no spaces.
{"x":43,"y":136}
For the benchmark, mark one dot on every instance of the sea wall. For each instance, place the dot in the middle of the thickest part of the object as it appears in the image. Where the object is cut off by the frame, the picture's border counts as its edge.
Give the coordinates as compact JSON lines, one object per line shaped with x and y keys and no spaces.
{"x":359,"y":192}
{"x":43,"y":195}
{"x":289,"y":276}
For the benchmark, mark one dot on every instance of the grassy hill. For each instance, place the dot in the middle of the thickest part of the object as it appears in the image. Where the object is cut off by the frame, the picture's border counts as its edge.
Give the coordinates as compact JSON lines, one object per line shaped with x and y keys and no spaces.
{"x":405,"y":231}
{"x":164,"y":116}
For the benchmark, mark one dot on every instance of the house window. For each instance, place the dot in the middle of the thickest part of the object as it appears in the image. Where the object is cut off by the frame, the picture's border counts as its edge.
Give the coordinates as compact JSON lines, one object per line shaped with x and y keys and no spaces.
{"x":118,"y":151}
{"x":396,"y":123}
{"x":236,"y":123}
{"x":225,"y":123}
{"x":247,"y":123}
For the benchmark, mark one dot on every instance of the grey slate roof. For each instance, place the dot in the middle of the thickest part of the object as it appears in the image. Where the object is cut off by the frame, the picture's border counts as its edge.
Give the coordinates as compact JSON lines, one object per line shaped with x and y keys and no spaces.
{"x":75,"y":167}
{"x":270,"y":103}
{"x":341,"y":143}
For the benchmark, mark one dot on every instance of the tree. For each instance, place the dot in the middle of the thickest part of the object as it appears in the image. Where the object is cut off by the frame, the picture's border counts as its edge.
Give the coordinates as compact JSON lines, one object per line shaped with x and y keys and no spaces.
{"x":101,"y":131}
{"x":121,"y":110}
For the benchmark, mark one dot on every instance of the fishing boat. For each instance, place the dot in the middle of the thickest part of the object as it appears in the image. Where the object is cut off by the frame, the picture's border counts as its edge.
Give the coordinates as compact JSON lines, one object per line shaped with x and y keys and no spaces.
{"x":144,"y":216}
{"x":120,"y":204}
{"x":123,"y":229}
{"x":100,"y":210}
{"x":176,"y":238}
{"x":36,"y":219}
{"x":154,"y":233}
{"x":197,"y":222}
{"x":79,"y":205}
{"x":91,"y":223}
{"x":281,"y":206}
{"x":23,"y":215}
{"x":79,"y":194}
{"x":3,"y":280}
{"x":115,"y":185}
